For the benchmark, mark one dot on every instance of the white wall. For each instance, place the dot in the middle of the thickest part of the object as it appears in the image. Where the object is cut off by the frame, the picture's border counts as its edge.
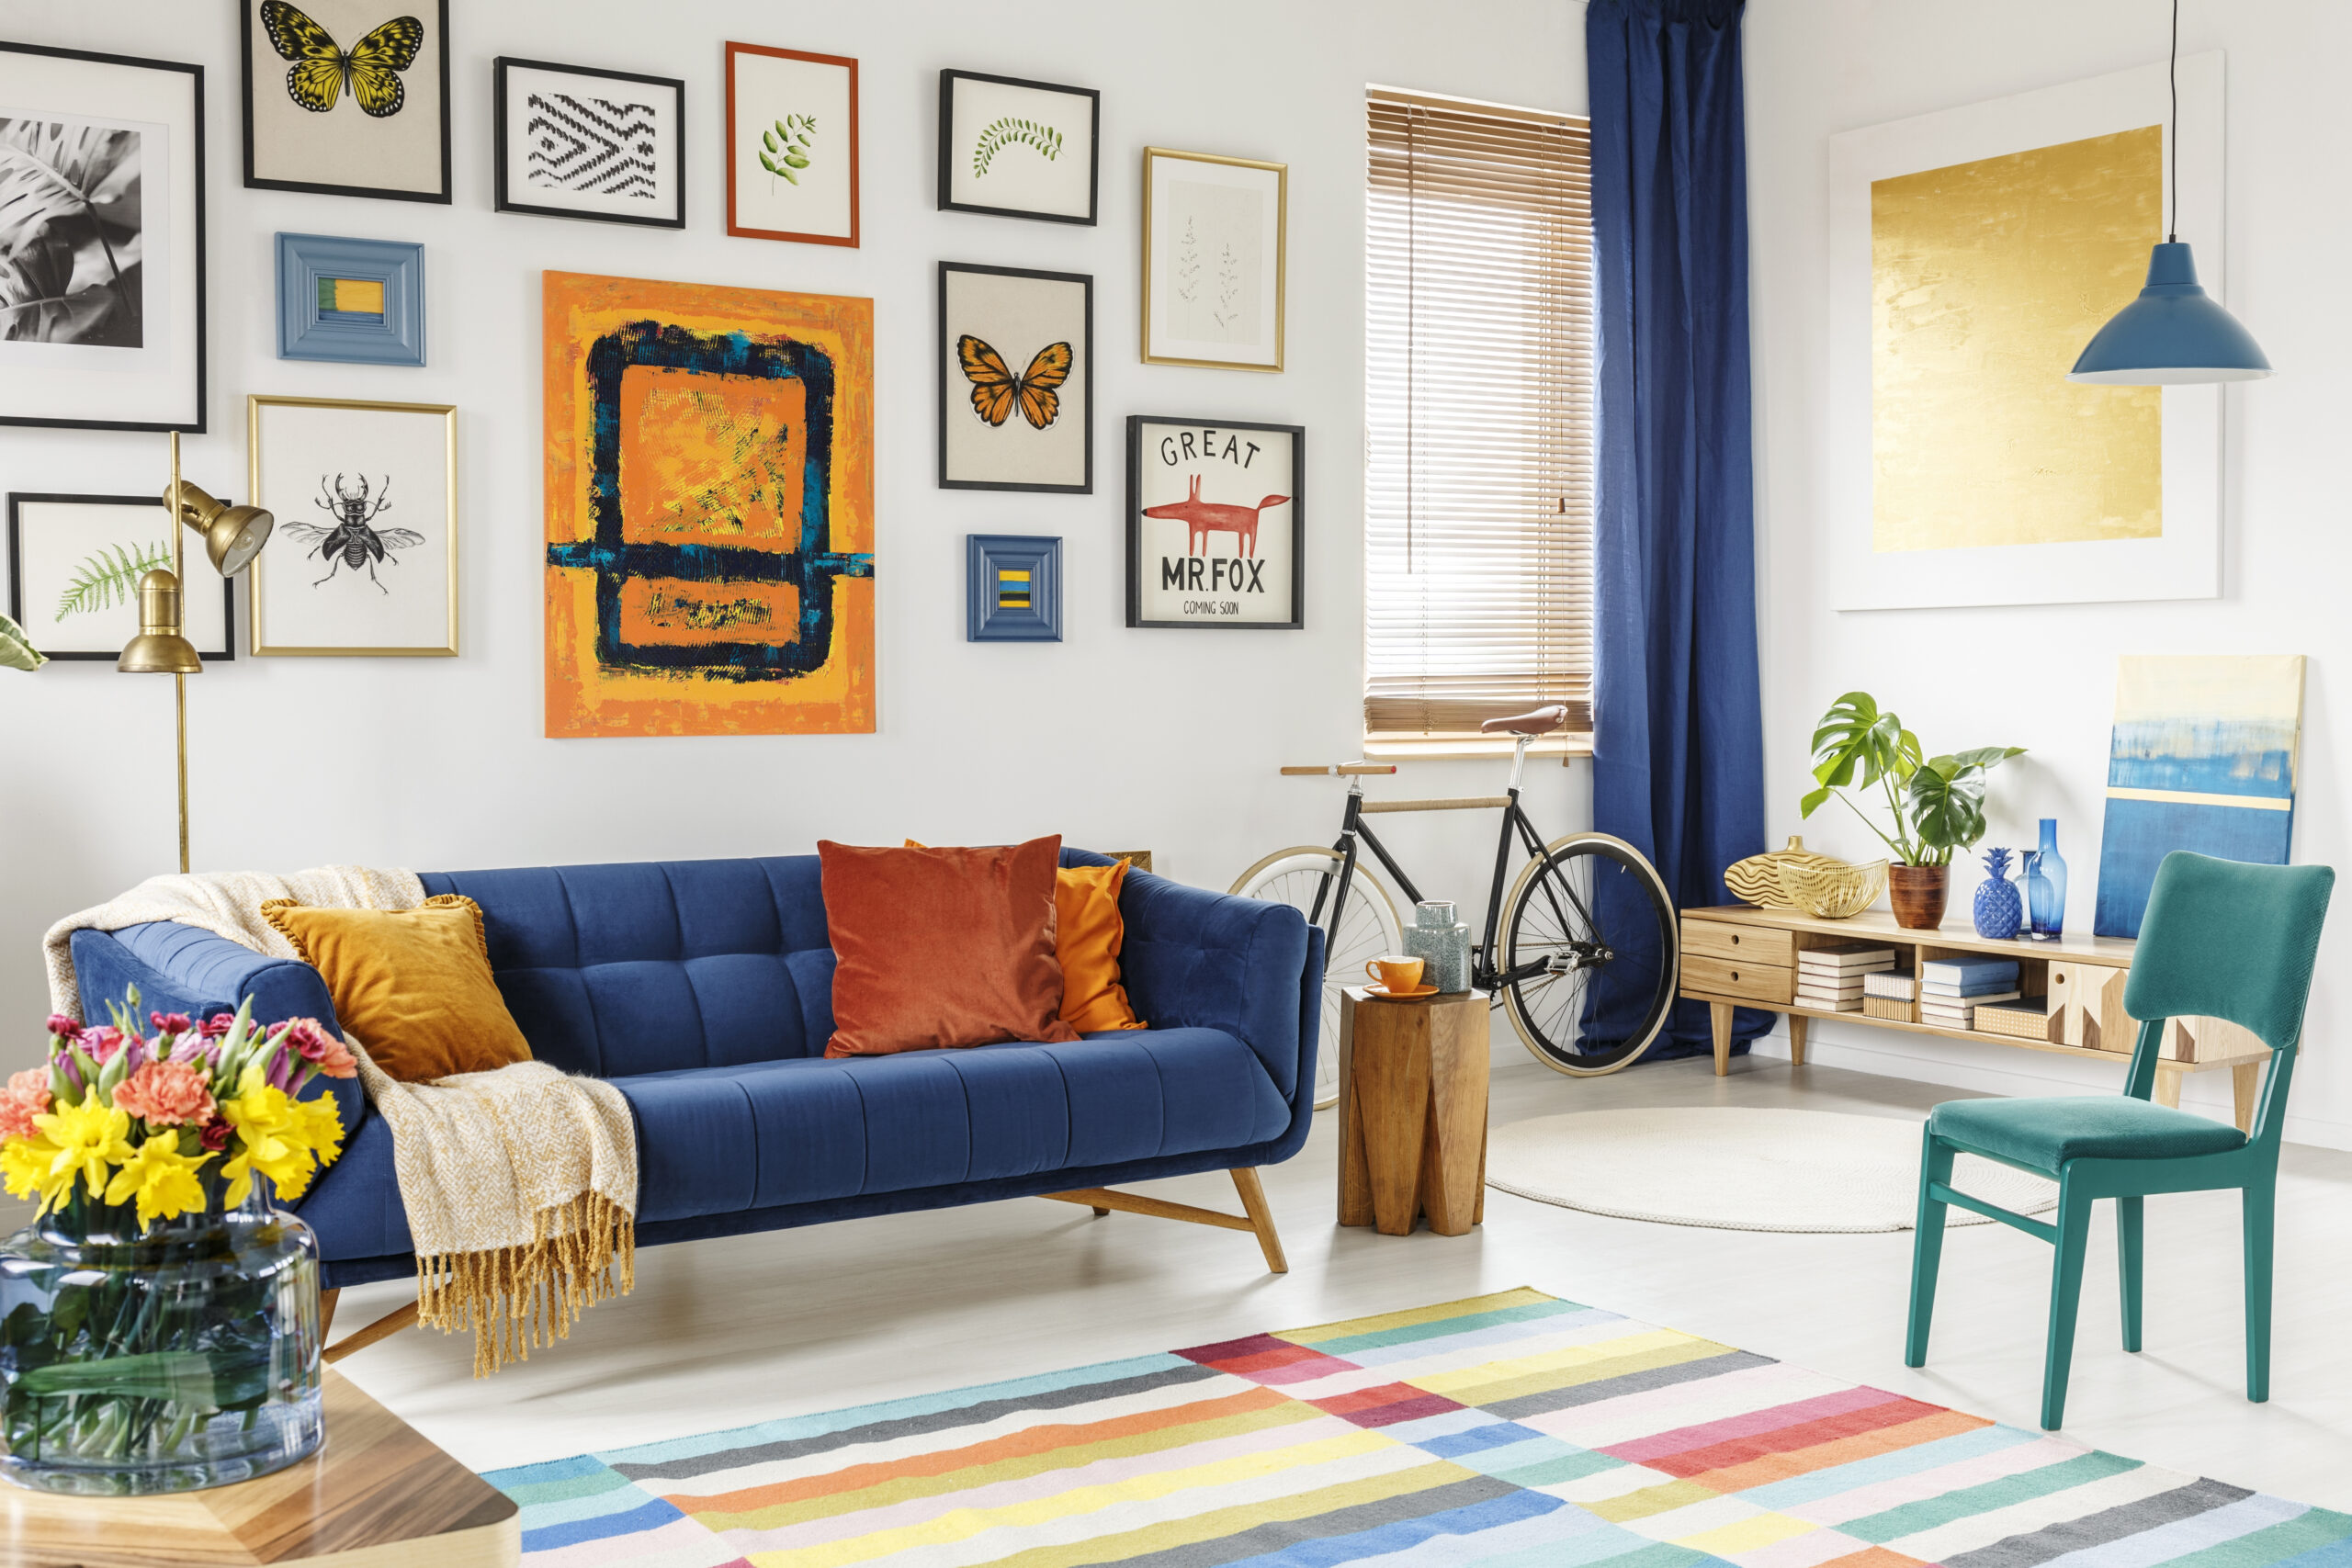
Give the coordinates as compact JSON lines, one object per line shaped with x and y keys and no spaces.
{"x":1115,"y":739}
{"x":2043,"y":677}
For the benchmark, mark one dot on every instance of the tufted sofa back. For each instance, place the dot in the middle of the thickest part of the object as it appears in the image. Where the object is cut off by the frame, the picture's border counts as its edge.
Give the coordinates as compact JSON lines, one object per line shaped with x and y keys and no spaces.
{"x":616,"y":970}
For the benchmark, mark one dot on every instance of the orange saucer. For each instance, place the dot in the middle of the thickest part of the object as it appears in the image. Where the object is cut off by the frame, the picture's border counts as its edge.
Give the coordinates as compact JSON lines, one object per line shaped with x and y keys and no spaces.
{"x":1386,"y":994}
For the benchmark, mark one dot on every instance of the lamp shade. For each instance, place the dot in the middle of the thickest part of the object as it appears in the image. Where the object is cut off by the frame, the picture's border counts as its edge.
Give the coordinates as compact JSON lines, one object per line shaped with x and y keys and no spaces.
{"x":232,"y":534}
{"x":2173,"y":334}
{"x":159,"y":649}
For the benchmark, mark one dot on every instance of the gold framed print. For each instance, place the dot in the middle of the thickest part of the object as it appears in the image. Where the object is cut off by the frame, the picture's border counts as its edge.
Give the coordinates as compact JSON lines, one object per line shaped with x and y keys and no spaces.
{"x":1214,"y":231}
{"x":364,"y":559}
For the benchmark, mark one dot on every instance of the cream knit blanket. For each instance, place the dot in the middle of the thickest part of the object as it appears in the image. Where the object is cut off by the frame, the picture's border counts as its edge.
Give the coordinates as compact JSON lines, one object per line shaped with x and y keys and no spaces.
{"x":520,"y":1183}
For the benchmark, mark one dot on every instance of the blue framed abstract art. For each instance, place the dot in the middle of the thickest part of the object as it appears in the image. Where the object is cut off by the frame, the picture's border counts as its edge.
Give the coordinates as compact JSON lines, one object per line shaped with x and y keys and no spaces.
{"x":2204,"y":759}
{"x":353,"y":301}
{"x":1012,"y":588}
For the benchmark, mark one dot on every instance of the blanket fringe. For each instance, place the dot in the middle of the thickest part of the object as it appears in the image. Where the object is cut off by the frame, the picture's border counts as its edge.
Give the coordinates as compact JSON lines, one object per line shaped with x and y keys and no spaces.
{"x":518,"y":1298}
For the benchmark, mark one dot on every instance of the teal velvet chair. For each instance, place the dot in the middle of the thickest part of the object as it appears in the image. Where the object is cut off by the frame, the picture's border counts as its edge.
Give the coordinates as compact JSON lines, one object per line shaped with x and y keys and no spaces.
{"x":2221,"y":939}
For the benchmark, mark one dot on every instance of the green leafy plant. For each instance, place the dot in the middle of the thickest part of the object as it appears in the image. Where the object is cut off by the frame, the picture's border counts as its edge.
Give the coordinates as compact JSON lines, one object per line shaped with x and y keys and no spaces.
{"x":1011,"y":132}
{"x":16,"y":649}
{"x":784,"y":150}
{"x":69,"y":234}
{"x":110,"y":575}
{"x":1936,"y":803}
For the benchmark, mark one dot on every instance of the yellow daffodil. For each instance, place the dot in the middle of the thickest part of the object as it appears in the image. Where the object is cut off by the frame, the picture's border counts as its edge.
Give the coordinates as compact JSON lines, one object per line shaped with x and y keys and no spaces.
{"x":161,"y":1178}
{"x":88,"y":1139}
{"x":280,"y":1136}
{"x":30,"y":1165}
{"x":322,"y":1131}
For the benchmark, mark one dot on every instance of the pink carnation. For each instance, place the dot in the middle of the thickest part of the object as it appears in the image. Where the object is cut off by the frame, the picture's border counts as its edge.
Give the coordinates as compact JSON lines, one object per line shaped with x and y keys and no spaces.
{"x":313,"y":1042}
{"x":26,"y":1097}
{"x":102,"y":1043}
{"x":165,"y":1094}
{"x":171,"y":1023}
{"x":215,"y":1136}
{"x":218,"y":1025}
{"x":64,"y":1028}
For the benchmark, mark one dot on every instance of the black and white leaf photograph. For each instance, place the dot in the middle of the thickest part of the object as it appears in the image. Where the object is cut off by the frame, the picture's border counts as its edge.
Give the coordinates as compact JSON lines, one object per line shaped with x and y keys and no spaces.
{"x":70,"y":233}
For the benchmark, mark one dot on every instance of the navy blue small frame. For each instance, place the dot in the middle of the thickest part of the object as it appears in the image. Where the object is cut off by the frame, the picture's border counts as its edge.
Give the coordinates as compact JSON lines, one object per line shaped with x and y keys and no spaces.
{"x":303,"y":333}
{"x":984,"y":620}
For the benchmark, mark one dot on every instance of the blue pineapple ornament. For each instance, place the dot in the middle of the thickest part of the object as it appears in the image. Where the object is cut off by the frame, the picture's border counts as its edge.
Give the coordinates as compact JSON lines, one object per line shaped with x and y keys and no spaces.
{"x":1999,"y":910}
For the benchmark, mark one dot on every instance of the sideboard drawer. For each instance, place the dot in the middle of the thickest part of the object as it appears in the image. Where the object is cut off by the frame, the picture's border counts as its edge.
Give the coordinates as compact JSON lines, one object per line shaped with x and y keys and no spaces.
{"x":1738,"y":977}
{"x":1752,"y":944}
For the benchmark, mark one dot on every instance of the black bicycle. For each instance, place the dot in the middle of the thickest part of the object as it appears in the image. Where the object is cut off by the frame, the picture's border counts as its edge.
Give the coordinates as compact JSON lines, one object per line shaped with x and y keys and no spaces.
{"x":1585,"y":907}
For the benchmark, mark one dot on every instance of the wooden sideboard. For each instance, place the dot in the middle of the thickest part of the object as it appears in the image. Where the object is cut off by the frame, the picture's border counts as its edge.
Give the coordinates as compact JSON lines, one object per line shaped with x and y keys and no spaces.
{"x":1740,"y":955}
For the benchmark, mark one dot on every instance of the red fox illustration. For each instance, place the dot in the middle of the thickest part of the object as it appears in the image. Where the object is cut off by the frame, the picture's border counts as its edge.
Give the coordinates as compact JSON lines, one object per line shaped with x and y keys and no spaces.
{"x":1202,"y":518}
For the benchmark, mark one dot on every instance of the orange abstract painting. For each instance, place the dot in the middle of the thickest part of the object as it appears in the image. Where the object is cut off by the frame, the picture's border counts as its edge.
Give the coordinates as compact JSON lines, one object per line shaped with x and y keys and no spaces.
{"x":710,"y":510}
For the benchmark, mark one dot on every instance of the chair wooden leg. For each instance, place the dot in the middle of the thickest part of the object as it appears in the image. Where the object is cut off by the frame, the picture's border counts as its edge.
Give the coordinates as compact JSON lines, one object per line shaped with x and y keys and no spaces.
{"x":1262,"y":1218}
{"x":384,"y":1327}
{"x":1926,"y":1247}
{"x":2066,"y":1296}
{"x":2131,"y":1229}
{"x":2259,"y":1205}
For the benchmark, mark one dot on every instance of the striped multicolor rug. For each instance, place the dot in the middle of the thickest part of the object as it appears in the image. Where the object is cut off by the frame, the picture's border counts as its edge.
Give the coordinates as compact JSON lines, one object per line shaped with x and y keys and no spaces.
{"x":1514,"y":1431}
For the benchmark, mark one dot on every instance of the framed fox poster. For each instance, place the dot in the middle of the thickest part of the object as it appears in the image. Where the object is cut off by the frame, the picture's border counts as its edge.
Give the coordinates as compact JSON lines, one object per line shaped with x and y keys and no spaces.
{"x":1216,"y":532}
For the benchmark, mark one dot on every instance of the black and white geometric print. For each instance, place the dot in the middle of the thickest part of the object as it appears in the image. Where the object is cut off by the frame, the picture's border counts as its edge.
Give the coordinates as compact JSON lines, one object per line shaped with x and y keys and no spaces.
{"x":591,"y":144}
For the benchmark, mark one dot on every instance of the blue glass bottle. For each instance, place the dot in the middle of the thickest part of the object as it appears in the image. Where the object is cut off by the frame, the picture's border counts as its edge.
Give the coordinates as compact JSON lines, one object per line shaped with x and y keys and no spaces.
{"x":2045,"y":886}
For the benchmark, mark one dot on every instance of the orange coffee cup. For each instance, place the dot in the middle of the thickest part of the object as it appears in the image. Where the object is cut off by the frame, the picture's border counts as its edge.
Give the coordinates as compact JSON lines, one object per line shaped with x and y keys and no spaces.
{"x":1395,"y":971}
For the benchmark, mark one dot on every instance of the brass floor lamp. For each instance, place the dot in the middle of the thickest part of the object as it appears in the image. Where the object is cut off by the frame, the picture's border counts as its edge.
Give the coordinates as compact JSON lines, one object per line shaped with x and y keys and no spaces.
{"x":234,"y":535}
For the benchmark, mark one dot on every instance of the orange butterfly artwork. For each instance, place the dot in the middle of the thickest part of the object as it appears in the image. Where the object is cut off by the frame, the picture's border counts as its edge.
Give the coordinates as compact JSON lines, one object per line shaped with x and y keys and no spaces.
{"x":996,"y":389}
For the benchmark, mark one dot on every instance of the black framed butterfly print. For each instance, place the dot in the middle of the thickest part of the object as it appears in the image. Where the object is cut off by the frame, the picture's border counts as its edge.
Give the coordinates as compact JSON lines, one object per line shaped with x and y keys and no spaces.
{"x":1016,"y":379}
{"x":348,"y":97}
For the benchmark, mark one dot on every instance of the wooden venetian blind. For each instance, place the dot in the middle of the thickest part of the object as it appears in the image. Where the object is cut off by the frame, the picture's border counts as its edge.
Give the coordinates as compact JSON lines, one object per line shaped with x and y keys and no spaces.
{"x":1479,"y":413}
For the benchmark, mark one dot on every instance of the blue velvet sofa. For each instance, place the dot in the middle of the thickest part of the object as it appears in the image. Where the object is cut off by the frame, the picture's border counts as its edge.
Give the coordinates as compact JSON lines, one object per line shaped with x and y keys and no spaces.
{"x":703,"y":990}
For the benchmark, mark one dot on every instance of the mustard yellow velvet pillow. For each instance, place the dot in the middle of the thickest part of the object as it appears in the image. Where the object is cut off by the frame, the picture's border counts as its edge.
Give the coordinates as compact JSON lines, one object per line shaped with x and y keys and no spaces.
{"x":413,"y":985}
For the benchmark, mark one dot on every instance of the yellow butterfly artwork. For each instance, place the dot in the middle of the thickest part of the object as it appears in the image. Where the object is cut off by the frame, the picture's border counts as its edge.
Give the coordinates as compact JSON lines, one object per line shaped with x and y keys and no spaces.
{"x":323,"y":68}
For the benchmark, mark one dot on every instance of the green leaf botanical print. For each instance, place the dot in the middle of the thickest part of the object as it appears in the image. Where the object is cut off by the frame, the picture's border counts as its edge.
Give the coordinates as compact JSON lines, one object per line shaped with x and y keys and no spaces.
{"x":784,"y":150}
{"x":1009,"y":132}
{"x":110,"y":575}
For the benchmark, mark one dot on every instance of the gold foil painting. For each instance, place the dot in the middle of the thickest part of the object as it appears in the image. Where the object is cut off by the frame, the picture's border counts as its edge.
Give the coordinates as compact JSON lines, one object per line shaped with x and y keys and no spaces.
{"x":1973,"y":254}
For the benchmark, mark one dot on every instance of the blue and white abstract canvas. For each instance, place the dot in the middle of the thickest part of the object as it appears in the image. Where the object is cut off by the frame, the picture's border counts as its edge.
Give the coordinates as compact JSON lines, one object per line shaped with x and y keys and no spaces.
{"x":2203,"y":759}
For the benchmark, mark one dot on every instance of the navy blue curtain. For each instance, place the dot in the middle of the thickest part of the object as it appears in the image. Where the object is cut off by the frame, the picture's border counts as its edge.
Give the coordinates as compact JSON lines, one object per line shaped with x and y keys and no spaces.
{"x":1677,"y":749}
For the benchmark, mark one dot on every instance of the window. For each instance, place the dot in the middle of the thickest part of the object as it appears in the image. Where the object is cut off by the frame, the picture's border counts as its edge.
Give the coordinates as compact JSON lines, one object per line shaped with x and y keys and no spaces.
{"x":1478,"y":361}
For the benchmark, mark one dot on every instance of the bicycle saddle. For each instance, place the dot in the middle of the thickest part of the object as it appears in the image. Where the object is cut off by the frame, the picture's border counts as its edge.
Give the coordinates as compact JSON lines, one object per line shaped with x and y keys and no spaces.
{"x":1543,"y":721}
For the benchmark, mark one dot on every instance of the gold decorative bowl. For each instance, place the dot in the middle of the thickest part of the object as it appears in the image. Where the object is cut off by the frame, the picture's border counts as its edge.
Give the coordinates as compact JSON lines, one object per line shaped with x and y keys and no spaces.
{"x":1756,"y":879}
{"x":1835,"y":891}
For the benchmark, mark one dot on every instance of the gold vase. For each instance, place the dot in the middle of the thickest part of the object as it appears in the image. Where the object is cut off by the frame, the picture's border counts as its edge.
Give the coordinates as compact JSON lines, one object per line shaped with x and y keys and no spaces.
{"x":1756,"y":879}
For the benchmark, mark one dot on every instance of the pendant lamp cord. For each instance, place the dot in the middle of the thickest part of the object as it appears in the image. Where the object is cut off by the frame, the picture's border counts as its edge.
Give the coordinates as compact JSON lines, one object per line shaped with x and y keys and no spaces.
{"x":2172,"y":81}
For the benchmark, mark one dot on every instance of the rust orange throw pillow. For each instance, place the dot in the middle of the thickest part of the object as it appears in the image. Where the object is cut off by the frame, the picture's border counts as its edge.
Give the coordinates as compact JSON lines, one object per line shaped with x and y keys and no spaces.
{"x":1089,"y":932}
{"x":942,"y":947}
{"x":413,"y":985}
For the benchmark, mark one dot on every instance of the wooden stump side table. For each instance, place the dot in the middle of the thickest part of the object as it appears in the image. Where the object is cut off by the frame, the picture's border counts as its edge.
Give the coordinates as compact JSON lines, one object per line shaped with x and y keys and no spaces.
{"x":1413,"y":1111}
{"x":377,"y":1495}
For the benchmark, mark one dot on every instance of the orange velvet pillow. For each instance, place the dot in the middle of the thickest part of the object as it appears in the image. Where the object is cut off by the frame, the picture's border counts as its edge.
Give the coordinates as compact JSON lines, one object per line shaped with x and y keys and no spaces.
{"x":938,"y":948}
{"x":415,"y":985}
{"x":1089,"y":932}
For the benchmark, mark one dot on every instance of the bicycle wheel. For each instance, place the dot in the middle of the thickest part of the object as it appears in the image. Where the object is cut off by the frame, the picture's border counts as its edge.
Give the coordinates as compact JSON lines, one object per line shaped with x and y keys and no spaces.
{"x":1367,"y":927}
{"x":1593,"y":906}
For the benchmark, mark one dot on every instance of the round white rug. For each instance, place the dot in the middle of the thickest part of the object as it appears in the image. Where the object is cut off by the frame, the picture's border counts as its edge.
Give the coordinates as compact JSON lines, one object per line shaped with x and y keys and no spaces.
{"x":1742,"y":1169}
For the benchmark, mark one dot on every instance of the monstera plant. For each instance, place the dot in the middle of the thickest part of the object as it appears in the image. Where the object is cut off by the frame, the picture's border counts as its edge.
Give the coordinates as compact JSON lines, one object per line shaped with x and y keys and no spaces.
{"x":16,"y":649}
{"x":1936,"y":803}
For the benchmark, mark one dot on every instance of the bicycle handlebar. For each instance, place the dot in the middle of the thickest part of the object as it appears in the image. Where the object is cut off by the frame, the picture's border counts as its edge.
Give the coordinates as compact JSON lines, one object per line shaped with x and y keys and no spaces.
{"x":1341,"y":769}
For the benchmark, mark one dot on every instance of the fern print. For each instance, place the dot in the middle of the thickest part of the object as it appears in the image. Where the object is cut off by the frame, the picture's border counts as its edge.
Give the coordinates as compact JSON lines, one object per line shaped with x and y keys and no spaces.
{"x":785,"y":149}
{"x":109,"y":576}
{"x":1011,"y":132}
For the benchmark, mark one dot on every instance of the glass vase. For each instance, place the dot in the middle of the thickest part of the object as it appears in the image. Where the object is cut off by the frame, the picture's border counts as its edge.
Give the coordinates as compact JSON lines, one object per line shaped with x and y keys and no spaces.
{"x":2045,"y":886}
{"x":181,"y":1357}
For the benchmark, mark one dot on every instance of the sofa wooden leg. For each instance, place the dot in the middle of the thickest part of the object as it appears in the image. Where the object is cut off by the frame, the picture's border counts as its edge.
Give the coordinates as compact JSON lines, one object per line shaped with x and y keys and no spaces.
{"x":326,"y":1312}
{"x":1261,"y":1217}
{"x":1259,"y":1221}
{"x":1100,"y":1212}
{"x":383,"y":1327}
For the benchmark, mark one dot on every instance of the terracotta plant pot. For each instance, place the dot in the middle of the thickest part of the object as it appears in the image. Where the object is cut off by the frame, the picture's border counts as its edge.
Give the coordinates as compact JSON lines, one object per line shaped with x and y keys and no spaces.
{"x":1918,"y":893}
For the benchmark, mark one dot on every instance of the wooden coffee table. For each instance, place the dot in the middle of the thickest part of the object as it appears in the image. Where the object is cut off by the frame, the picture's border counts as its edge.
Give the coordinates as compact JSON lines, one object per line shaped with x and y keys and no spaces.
{"x":375,"y":1495}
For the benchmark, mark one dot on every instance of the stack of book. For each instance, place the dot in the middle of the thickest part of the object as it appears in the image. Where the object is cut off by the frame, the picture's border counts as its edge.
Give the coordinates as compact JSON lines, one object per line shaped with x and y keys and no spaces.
{"x":1950,"y":989}
{"x":1889,"y":995}
{"x":1829,"y":979}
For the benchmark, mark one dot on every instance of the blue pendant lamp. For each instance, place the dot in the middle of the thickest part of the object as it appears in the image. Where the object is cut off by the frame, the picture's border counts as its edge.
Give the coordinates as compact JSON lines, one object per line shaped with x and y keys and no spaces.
{"x":2175,"y":332}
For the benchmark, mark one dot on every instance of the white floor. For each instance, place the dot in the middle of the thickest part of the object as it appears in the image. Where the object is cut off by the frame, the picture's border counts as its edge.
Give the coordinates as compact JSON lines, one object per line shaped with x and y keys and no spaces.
{"x":724,"y":1333}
